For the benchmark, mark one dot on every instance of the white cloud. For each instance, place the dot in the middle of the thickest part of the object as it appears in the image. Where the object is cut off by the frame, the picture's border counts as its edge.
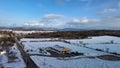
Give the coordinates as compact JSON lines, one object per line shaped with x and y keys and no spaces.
{"x":75,"y":20}
{"x":34,"y":23}
{"x":112,"y":19}
{"x":49,"y":20}
{"x":107,"y":11}
{"x":119,"y":4}
{"x":52,"y":17}
{"x":84,"y":20}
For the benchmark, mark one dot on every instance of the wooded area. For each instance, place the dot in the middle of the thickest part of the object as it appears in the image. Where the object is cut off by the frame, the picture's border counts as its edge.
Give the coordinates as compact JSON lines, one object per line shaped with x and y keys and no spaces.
{"x":74,"y":34}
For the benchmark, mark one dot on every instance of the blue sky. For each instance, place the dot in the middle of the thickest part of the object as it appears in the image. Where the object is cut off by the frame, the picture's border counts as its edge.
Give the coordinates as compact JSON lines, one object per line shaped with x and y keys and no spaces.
{"x":83,"y":14}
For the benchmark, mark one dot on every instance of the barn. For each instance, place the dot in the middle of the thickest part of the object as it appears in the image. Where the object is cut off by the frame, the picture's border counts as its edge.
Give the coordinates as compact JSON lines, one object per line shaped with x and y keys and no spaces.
{"x":61,"y":49}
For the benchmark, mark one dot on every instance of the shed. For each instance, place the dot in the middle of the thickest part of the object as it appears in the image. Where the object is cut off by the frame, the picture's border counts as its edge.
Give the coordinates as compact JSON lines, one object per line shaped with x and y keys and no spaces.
{"x":61,"y":49}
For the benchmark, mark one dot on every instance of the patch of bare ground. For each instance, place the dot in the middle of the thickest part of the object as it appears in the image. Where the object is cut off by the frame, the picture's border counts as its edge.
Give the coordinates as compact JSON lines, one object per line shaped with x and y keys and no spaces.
{"x":109,"y":57}
{"x":12,"y":59}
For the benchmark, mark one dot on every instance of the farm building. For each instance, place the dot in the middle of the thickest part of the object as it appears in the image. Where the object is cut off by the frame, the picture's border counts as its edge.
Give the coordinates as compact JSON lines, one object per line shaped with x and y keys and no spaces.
{"x":61,"y":49}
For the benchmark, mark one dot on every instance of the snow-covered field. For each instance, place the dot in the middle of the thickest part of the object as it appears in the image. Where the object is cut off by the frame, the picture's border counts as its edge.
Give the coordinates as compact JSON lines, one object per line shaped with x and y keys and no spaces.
{"x":49,"y":62}
{"x":112,"y":47}
{"x":34,"y":39}
{"x":26,"y":32}
{"x":99,"y":42}
{"x":19,"y":63}
{"x":35,"y":45}
{"x":97,"y":39}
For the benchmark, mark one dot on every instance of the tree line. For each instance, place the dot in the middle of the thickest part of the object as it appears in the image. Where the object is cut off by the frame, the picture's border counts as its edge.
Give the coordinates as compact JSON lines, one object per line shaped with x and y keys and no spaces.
{"x":73,"y":34}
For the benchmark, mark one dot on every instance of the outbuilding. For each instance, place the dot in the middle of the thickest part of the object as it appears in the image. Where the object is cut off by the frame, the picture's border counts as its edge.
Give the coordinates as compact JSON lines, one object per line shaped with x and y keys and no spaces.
{"x":61,"y":49}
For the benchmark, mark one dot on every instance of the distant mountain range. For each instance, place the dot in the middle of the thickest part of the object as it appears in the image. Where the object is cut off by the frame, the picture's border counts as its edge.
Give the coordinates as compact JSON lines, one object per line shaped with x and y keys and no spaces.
{"x":50,"y":29}
{"x":43,"y":29}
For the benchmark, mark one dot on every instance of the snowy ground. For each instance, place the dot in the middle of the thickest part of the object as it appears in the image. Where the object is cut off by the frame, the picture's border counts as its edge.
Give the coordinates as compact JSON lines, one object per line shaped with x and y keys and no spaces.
{"x":112,"y":47}
{"x":49,"y":62}
{"x":26,"y":32}
{"x":97,"y":39}
{"x":34,"y":39}
{"x":101,"y":42}
{"x":19,"y":62}
{"x":35,"y":45}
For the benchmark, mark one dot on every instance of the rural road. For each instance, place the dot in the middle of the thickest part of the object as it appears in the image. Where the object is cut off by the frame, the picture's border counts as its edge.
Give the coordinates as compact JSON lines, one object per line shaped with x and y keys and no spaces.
{"x":26,"y":57}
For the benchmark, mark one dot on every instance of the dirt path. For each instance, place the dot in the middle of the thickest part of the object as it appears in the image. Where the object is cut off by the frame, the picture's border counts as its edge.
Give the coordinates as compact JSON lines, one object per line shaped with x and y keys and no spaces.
{"x":29,"y":62}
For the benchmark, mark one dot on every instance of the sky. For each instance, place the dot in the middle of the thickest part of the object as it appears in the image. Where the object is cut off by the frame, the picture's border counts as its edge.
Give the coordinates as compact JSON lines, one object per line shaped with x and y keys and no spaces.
{"x":79,"y":14}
